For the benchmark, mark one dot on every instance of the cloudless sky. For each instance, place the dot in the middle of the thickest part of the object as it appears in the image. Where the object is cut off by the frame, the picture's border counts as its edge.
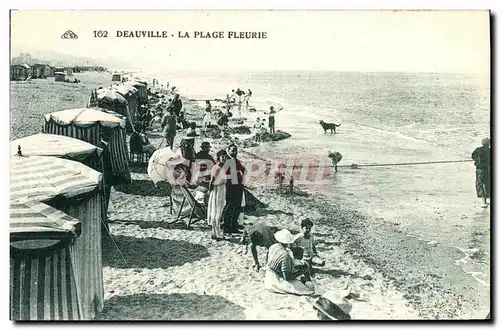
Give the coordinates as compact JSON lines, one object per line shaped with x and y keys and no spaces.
{"x":423,"y":41}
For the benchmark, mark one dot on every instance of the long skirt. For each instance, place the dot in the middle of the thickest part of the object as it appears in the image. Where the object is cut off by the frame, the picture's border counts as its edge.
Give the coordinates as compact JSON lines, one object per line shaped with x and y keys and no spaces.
{"x":483,"y":182}
{"x":275,"y":283}
{"x":216,"y":203}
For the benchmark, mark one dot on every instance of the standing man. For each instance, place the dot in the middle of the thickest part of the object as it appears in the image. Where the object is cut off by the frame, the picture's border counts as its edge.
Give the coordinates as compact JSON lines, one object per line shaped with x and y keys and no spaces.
{"x":272,"y":122}
{"x":176,"y":104}
{"x":234,"y":191}
{"x":482,"y":161}
{"x":107,"y":173}
{"x":206,"y":162}
{"x":247,"y":97}
{"x":169,"y":126}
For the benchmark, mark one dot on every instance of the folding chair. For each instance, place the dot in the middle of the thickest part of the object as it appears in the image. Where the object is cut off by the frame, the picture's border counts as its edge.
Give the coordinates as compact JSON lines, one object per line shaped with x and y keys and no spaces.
{"x":197,"y":209}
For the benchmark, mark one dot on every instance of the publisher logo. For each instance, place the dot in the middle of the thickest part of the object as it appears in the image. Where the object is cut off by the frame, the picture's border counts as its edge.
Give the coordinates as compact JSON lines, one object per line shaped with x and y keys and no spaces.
{"x":69,"y":35}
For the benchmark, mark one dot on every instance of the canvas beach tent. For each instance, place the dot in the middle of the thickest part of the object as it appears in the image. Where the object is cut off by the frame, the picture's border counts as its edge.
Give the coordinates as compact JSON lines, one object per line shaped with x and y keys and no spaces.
{"x":142,"y":87}
{"x":112,"y":98}
{"x":87,"y":125}
{"x":61,"y":146}
{"x":74,"y":189}
{"x":43,"y":283}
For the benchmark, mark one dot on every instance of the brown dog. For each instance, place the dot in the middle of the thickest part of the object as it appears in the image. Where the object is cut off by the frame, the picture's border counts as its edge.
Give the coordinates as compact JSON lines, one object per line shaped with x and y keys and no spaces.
{"x":329,"y":126}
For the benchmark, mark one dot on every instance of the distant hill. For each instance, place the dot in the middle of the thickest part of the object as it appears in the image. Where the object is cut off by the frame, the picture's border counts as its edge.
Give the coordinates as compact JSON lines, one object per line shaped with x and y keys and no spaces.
{"x":60,"y":59}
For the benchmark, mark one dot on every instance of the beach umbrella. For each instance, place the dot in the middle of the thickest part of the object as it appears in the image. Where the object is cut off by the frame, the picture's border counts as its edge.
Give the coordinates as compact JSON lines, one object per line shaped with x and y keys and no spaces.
{"x":42,"y":144}
{"x":43,"y":178}
{"x":33,"y":220}
{"x":164,"y":166}
{"x":111,"y":95}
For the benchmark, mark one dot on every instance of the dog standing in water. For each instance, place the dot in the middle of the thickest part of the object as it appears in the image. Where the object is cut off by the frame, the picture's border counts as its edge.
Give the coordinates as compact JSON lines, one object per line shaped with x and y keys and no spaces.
{"x":329,"y":126}
{"x":336,"y":157}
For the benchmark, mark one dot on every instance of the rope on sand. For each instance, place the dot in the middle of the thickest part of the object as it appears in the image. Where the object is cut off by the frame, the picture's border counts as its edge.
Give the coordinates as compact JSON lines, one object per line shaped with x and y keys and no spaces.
{"x":406,"y":164}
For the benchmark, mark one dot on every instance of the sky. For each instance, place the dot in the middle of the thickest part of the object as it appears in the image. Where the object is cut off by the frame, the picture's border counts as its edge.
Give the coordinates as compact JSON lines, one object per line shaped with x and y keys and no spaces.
{"x":408,"y":41}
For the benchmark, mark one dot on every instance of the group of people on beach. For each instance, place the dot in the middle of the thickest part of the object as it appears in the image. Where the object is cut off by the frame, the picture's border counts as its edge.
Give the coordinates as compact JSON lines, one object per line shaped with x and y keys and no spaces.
{"x":290,"y":258}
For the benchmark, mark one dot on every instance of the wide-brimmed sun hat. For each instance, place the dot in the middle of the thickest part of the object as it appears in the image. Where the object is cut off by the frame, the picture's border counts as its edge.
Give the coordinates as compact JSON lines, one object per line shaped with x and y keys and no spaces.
{"x":284,"y":236}
{"x":334,"y":305}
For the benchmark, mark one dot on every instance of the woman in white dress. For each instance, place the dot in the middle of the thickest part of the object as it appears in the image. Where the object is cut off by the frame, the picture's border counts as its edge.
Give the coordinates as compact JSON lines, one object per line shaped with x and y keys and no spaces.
{"x":217,"y":197}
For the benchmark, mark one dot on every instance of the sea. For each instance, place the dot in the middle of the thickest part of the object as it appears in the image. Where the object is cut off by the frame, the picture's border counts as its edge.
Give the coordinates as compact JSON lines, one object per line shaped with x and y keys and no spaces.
{"x":386,"y":118}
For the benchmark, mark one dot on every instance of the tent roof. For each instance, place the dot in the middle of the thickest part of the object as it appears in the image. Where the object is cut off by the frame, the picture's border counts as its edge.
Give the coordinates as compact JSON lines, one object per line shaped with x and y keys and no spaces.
{"x":111,"y":94}
{"x":126,"y":88}
{"x":43,"y":178}
{"x":86,"y":116}
{"x":36,"y":220}
{"x":42,"y":144}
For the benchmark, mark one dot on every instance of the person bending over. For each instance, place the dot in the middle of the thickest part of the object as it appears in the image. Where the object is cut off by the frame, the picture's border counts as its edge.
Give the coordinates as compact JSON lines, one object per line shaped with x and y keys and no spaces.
{"x":258,"y":235}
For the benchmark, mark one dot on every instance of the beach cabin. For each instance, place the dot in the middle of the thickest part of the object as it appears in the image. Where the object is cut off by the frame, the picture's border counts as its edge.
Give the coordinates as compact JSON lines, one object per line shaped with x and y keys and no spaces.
{"x":20,"y":72}
{"x":60,"y":76}
{"x":37,"y":71}
{"x":116,"y":77}
{"x":87,"y":125}
{"x":56,"y":280}
{"x":48,"y":71}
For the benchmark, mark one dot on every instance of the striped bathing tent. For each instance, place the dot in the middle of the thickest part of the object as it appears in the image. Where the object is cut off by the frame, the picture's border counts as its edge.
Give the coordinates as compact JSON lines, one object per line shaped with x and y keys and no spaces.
{"x":42,"y":144}
{"x":43,"y":283}
{"x":142,"y":87}
{"x":119,"y":99}
{"x":87,"y":125}
{"x":74,"y":189}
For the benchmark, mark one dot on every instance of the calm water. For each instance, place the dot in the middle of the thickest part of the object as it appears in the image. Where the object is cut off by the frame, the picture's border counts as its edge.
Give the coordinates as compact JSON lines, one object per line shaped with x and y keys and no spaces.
{"x":386,"y":118}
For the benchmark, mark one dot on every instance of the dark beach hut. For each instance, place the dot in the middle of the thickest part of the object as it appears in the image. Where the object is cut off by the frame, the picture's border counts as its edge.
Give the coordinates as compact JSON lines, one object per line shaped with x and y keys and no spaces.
{"x":60,"y":76}
{"x":37,"y":71}
{"x":87,"y":125}
{"x":42,"y":285}
{"x":19,"y":72}
{"x":48,"y":71}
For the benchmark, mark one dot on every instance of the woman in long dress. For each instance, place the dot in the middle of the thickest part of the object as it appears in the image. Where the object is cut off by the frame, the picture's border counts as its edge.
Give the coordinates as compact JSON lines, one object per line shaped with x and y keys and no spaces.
{"x":217,"y":197}
{"x":281,"y":274}
{"x":482,"y":161}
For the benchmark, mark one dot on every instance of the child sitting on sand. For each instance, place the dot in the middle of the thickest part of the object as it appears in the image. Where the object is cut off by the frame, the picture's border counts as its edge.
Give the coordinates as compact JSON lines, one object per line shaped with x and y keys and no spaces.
{"x":305,"y":240}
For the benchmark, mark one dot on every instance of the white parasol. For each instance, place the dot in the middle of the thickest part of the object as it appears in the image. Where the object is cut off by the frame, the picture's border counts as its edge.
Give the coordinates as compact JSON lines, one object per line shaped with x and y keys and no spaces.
{"x":164,"y":166}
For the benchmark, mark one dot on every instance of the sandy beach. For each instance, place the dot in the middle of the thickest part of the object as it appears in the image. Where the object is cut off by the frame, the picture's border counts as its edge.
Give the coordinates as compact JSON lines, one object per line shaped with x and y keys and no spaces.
{"x":154,"y":270}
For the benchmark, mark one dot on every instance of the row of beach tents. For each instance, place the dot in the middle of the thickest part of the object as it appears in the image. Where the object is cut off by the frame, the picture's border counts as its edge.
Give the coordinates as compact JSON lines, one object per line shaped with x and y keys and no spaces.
{"x":124,"y":98}
{"x":57,"y":208}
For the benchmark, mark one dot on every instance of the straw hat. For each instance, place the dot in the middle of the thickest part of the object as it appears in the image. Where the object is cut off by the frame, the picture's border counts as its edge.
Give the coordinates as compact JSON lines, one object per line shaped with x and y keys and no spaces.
{"x":284,"y":236}
{"x":334,"y":305}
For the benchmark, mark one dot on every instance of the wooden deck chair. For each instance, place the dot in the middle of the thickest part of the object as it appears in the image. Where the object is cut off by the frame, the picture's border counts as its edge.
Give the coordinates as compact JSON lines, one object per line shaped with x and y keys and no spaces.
{"x":197,"y":209}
